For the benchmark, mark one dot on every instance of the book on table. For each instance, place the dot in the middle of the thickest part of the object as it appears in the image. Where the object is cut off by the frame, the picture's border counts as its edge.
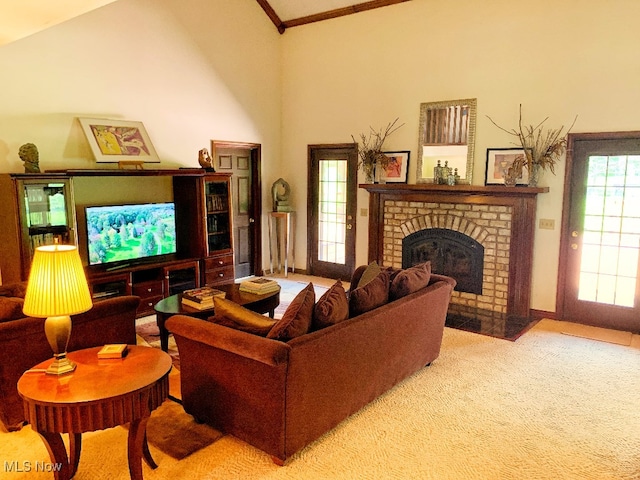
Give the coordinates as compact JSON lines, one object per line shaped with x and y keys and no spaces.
{"x":202,"y":294}
{"x":259,"y":285}
{"x":198,"y":305}
{"x":113,"y":350}
{"x":201,"y":298}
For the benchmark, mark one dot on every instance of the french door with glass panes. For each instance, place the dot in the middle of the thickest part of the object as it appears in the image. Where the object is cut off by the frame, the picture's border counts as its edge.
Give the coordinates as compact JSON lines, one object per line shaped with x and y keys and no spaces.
{"x":600,"y":247}
{"x":331,"y":210}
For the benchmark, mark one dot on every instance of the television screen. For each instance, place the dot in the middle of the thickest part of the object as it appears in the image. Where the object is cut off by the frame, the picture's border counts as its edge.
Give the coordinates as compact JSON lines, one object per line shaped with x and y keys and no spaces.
{"x":123,"y":233}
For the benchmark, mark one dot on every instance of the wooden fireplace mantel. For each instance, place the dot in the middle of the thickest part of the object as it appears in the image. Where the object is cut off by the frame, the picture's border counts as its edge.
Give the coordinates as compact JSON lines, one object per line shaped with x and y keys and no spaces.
{"x":522,"y":201}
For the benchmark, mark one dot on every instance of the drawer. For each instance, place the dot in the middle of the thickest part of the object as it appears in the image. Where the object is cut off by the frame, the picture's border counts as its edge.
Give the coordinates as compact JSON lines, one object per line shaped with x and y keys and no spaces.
{"x":220,"y":275}
{"x":218,"y":262}
{"x":144,"y":290}
{"x":147,"y":304}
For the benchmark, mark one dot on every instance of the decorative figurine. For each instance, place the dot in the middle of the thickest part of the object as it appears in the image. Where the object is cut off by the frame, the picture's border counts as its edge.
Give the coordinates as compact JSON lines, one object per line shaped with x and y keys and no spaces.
{"x":204,"y":159}
{"x":29,"y":155}
{"x":280,"y":199}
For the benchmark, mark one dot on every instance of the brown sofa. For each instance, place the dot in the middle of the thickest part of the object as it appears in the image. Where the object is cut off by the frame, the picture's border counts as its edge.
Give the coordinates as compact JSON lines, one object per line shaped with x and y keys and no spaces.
{"x":23,"y":344}
{"x":281,"y":396}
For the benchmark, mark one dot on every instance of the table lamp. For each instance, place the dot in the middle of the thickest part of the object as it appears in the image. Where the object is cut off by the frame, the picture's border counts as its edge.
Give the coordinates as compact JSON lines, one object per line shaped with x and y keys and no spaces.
{"x":57,"y":288}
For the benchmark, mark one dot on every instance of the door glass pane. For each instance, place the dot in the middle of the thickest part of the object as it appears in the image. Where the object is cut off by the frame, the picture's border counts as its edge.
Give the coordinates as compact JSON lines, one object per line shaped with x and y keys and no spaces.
{"x":611,"y":236}
{"x":45,"y":205}
{"x":332,"y":213}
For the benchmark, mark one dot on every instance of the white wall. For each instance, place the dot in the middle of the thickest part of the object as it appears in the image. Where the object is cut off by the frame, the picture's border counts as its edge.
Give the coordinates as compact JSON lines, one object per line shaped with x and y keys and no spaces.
{"x":190,"y":70}
{"x":195,"y":70}
{"x":557,"y":59}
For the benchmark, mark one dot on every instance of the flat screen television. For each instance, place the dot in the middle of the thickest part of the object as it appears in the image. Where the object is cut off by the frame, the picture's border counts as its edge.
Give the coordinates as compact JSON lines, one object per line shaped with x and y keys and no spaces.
{"x":125,"y":234}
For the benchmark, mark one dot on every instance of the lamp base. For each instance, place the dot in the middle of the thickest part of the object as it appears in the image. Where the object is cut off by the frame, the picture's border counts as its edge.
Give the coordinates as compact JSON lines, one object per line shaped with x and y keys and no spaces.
{"x":61,"y":365}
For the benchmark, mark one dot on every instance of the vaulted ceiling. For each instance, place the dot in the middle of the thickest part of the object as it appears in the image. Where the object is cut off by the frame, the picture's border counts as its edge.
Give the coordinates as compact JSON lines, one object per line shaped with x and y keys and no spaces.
{"x":291,"y":13}
{"x":20,"y":18}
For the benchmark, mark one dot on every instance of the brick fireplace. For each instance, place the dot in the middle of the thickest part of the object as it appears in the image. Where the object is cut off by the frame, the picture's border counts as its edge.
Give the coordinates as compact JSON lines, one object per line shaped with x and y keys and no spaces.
{"x":496,"y":221}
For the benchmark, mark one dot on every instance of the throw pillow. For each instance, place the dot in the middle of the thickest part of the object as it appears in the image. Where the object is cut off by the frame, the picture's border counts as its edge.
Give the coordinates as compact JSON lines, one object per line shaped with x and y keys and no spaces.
{"x":410,"y":280}
{"x":296,"y":320}
{"x":331,"y":308}
{"x":371,"y":272}
{"x":11,"y":308}
{"x":372,"y":295}
{"x":232,"y":315}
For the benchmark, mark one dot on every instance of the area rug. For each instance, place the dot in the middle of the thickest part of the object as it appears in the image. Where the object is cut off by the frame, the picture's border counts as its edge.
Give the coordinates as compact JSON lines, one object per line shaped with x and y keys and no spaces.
{"x":147,"y":329}
{"x":175,"y":432}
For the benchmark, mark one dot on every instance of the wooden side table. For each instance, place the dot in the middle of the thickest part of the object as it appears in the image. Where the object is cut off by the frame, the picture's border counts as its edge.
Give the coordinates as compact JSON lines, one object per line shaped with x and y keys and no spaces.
{"x":288,"y":219}
{"x":99,"y":394}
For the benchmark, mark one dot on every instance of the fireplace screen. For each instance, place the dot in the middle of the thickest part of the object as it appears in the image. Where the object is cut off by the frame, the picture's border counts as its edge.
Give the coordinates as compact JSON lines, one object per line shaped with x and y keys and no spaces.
{"x":451,"y":253}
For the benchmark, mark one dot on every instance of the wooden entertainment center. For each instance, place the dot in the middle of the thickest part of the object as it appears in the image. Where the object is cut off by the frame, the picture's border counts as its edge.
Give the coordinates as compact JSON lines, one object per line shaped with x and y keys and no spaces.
{"x":38,"y":209}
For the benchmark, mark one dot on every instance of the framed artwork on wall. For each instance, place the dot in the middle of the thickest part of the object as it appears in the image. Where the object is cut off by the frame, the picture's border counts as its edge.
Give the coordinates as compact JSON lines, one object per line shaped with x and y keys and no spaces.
{"x":396,"y":171}
{"x":500,"y":159}
{"x":113,"y":141}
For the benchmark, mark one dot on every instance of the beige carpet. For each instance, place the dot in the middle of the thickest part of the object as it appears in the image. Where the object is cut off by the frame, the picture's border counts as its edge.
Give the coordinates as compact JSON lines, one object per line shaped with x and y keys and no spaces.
{"x":548,"y":406}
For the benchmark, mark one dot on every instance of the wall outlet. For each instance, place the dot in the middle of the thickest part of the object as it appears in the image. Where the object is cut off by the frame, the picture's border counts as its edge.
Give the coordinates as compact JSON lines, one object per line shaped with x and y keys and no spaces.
{"x":547,"y":224}
{"x":364,"y":212}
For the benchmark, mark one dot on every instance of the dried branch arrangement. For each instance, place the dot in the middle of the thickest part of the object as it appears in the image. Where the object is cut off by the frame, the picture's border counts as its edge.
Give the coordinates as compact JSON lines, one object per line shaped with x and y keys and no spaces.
{"x":370,"y":147}
{"x":542,"y":148}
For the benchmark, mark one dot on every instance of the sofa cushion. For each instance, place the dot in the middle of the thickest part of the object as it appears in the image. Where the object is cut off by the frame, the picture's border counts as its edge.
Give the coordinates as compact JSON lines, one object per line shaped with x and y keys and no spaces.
{"x":11,"y":308}
{"x":296,"y":320}
{"x":371,"y":272}
{"x":18,"y":289}
{"x":232,"y":315}
{"x":372,"y":295}
{"x":410,"y":280}
{"x":331,"y":308}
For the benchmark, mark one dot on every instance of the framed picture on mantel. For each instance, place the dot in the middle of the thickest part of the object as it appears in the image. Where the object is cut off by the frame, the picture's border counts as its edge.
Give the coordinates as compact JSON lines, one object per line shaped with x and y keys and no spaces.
{"x":396,"y":170}
{"x":500,"y":159}
{"x":113,"y":141}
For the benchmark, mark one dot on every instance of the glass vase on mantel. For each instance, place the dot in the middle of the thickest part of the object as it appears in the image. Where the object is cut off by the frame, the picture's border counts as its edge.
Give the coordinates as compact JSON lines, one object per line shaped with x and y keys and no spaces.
{"x":534,"y":175}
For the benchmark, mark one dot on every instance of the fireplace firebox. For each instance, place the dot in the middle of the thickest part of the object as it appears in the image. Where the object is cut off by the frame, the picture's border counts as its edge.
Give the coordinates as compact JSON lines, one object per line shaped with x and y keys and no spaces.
{"x":451,"y":253}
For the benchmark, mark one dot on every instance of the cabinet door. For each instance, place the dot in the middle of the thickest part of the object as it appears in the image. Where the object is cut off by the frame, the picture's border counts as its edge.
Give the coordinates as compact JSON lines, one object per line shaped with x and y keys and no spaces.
{"x":218,"y":214}
{"x":47,"y":214}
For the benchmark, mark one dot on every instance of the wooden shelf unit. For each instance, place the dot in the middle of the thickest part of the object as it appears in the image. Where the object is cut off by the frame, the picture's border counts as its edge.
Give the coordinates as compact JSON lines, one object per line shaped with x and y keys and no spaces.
{"x":204,"y":204}
{"x":204,"y":232}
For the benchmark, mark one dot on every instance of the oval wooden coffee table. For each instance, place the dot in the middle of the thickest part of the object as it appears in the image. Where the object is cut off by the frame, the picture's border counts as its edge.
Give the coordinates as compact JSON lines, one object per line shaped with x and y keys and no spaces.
{"x":172,"y":305}
{"x":99,"y":394}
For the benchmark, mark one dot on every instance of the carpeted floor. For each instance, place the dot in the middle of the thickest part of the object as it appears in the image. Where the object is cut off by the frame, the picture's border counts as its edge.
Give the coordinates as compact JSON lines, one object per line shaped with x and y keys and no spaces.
{"x":548,"y":406}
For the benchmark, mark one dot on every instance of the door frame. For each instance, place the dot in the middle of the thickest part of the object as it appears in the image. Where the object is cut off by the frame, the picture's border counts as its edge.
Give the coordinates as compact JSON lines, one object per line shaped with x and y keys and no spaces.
{"x":569,"y":190}
{"x":312,"y":197}
{"x":256,"y":194}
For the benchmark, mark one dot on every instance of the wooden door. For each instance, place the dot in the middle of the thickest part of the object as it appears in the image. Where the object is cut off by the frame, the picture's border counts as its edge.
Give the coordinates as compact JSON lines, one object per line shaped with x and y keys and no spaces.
{"x":331,"y":213}
{"x":600,"y":245}
{"x":243,"y":161}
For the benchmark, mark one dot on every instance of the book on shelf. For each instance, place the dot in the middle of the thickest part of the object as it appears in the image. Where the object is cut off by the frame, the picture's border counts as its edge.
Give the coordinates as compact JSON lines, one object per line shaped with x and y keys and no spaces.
{"x":202,"y":294}
{"x":259,"y":285}
{"x":113,"y":350}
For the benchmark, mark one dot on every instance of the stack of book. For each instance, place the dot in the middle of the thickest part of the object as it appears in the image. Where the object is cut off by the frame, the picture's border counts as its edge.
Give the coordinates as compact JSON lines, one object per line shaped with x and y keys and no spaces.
{"x":259,"y":286}
{"x":201,"y":298}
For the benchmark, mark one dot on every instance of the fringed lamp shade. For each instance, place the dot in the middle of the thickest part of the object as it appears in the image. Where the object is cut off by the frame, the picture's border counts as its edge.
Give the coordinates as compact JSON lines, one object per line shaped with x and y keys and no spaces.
{"x":57,"y":288}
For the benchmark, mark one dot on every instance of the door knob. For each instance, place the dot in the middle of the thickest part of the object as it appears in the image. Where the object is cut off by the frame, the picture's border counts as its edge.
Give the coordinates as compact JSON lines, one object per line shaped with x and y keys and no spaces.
{"x":574,"y":234}
{"x":349,"y":226}
{"x":251,"y":220}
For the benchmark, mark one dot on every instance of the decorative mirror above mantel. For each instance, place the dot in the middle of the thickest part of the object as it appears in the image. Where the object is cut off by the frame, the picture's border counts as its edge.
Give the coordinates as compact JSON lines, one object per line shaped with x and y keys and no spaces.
{"x":447,"y":133}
